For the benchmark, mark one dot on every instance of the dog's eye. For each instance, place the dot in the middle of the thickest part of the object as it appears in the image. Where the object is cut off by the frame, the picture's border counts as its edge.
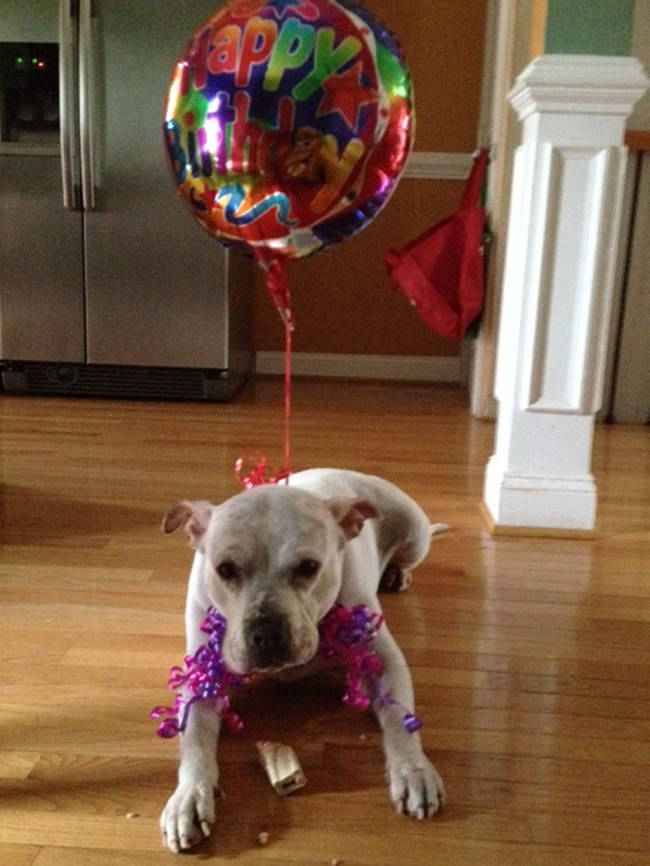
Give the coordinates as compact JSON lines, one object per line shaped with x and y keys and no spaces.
{"x":227,"y":570}
{"x":307,"y":568}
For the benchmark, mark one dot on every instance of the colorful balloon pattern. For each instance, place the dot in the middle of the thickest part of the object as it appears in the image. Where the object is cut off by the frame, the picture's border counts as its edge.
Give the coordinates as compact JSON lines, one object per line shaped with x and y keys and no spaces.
{"x":288,"y":124}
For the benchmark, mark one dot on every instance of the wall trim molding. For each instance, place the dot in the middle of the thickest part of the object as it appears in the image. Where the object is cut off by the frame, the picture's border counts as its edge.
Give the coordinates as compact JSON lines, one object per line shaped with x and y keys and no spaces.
{"x":396,"y":367}
{"x":430,"y":165}
{"x":581,"y":84}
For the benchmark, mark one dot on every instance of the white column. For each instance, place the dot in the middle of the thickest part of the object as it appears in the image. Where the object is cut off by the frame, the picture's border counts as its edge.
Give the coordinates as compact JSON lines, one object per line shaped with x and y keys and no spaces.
{"x":562,"y":234}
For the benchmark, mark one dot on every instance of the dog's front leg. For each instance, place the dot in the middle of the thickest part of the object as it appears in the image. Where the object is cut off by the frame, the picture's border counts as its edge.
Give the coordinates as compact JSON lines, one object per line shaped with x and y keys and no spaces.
{"x":190,"y":811}
{"x":415,"y":786}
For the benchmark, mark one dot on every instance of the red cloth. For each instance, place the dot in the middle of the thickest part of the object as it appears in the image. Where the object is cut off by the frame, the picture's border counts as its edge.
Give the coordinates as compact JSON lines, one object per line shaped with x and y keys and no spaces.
{"x":441,"y":272}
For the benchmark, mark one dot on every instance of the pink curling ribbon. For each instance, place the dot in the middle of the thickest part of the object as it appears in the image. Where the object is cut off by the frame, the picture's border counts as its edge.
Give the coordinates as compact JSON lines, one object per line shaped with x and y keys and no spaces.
{"x":345,"y":636}
{"x":258,"y":472}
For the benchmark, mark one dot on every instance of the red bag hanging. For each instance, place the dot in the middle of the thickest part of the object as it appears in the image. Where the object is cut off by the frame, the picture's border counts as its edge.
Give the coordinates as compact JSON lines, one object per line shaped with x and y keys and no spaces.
{"x":441,"y":272}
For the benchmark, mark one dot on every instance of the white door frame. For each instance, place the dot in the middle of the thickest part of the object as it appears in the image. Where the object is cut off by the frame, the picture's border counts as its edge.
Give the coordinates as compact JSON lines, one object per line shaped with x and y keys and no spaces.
{"x":507,"y":51}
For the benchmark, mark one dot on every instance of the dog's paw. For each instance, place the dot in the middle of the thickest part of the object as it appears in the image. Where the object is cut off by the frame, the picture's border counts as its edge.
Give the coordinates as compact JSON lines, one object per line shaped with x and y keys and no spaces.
{"x":187,"y":818}
{"x":395,"y":579}
{"x":415,"y":787}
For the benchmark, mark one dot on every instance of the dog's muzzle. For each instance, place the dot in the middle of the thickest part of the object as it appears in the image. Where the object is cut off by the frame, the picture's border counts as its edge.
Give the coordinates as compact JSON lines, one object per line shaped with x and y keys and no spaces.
{"x":268,"y":641}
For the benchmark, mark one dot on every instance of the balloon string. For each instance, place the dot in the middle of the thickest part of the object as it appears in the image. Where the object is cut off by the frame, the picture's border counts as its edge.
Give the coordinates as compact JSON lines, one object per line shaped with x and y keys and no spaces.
{"x":260,"y":472}
{"x":278,"y":287}
{"x":288,"y":328}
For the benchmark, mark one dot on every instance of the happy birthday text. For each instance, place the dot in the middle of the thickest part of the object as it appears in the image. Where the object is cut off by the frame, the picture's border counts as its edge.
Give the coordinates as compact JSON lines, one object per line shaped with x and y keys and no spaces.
{"x":232,"y":49}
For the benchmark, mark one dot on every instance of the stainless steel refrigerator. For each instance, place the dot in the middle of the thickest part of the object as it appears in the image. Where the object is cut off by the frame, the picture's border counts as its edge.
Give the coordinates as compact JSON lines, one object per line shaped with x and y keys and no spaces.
{"x":107,"y":286}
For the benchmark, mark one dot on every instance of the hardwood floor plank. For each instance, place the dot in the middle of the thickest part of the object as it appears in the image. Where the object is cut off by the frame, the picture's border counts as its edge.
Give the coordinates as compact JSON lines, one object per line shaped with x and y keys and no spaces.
{"x":615,"y":833}
{"x":18,"y":855}
{"x":52,"y":856}
{"x":17,"y":764}
{"x":66,"y":829}
{"x":472,"y":854}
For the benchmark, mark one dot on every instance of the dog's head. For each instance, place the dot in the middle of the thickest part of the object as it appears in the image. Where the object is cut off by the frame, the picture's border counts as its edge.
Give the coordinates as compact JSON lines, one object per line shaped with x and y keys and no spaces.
{"x":273,"y":567}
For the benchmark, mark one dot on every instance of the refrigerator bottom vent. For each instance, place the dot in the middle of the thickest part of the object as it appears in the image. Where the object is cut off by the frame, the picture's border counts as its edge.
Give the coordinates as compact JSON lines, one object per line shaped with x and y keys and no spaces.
{"x":139,"y":383}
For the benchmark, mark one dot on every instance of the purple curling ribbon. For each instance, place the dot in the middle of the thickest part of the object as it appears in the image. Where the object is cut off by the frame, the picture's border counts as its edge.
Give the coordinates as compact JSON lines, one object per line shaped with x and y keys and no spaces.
{"x":204,"y":677}
{"x":346,"y":634}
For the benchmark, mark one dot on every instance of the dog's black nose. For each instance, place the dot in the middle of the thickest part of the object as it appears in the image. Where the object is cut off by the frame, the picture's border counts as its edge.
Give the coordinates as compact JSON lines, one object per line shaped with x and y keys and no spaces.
{"x":267,"y":640}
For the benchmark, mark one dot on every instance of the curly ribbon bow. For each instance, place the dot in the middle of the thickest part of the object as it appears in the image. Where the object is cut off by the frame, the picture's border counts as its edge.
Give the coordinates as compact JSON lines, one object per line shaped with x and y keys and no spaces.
{"x":204,"y":677}
{"x":257,"y":474}
{"x":345,"y":636}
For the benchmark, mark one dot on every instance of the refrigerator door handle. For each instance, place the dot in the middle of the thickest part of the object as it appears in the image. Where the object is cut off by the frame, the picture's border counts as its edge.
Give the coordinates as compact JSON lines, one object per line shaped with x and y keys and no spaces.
{"x":87,"y":115}
{"x":67,"y":101}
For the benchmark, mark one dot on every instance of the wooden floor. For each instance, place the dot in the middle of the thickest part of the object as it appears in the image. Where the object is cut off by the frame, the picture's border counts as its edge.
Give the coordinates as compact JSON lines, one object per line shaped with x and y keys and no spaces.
{"x":531,"y":658}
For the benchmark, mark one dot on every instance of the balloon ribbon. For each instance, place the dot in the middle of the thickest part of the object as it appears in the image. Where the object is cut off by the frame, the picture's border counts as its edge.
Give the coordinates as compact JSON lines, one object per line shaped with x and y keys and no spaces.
{"x":278,"y":288}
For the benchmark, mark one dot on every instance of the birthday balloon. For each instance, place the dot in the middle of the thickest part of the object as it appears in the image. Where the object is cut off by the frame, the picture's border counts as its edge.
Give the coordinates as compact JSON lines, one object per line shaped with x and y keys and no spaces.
{"x":288,"y":124}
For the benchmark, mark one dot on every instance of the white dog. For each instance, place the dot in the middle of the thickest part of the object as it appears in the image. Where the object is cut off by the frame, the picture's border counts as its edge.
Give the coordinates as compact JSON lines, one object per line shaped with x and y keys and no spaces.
{"x":274,"y":560}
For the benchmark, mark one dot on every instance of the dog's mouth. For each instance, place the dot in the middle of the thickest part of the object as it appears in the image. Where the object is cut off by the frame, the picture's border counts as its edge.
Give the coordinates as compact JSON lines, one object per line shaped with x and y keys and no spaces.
{"x":294,"y":669}
{"x":269,"y":642}
{"x":274,"y":668}
{"x":267,"y":638}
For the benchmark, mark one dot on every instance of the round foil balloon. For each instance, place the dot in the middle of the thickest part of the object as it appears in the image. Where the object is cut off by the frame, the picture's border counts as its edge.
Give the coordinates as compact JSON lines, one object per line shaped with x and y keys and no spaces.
{"x":288,"y":124}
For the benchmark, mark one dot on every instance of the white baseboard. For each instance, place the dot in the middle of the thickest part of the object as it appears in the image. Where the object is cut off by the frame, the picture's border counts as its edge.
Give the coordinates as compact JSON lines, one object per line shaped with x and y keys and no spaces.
{"x":430,"y":165}
{"x":398,"y":367}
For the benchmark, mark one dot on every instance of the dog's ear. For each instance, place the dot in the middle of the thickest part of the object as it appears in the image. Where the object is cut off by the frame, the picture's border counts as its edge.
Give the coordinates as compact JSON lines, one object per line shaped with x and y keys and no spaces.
{"x":350,"y":514}
{"x":192,"y":516}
